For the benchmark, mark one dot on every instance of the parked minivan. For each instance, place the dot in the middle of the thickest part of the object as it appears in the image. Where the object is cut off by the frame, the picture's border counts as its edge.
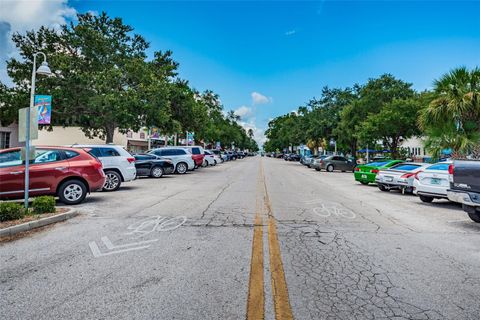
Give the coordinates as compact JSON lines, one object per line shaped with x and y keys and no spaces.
{"x":198,"y":155}
{"x":182,"y":158}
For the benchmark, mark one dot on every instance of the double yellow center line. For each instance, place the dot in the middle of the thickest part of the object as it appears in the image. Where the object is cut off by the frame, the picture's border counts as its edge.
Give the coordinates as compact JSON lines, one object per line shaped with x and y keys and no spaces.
{"x":256,"y":293}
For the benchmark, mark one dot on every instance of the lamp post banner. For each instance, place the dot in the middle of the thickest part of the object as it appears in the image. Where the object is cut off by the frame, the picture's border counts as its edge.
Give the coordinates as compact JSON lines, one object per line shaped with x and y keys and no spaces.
{"x":44,"y":106}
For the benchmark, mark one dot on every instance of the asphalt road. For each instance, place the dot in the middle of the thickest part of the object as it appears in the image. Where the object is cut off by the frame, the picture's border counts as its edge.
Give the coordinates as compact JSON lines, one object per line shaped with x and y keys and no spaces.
{"x":254,"y":238}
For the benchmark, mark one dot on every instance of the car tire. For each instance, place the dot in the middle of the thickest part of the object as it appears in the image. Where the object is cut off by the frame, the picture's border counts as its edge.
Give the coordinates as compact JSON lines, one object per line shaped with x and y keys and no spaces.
{"x":72,"y":192}
{"x":156,"y":172}
{"x":181,"y":168}
{"x":426,"y":199}
{"x":474,"y":215}
{"x":214,"y":162}
{"x":330,"y":168}
{"x":317,"y":169}
{"x":113,"y":180}
{"x":383,"y":188}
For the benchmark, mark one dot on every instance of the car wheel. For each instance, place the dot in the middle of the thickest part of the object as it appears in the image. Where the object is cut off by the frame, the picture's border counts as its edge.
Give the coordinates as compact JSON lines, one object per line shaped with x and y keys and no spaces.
{"x":113,"y":180}
{"x":157,"y":172}
{"x":330,"y":168}
{"x":317,"y":169}
{"x":364,"y":183}
{"x":72,"y":192}
{"x":408,"y":190}
{"x":426,"y":199}
{"x":475,"y":216}
{"x":214,"y":162}
{"x":383,"y":188}
{"x":182,"y":168}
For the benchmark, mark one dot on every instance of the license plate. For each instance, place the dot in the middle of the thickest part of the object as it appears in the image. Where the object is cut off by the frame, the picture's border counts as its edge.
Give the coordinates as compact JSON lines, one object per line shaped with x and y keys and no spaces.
{"x":364,"y":176}
{"x":436,"y":181}
{"x":389,"y":179}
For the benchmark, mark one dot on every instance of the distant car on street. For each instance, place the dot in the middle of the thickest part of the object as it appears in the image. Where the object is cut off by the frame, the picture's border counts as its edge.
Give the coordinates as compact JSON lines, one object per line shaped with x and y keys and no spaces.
{"x":331,"y":163}
{"x":399,"y":177}
{"x":68,"y":173}
{"x":366,"y":173}
{"x":293,"y":157}
{"x":152,"y":166}
{"x":118,"y":164}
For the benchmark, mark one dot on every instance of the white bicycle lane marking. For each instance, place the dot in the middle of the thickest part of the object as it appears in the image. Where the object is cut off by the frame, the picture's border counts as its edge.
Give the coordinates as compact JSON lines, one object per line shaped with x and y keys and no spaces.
{"x":144,"y":227}
{"x":328,"y":208}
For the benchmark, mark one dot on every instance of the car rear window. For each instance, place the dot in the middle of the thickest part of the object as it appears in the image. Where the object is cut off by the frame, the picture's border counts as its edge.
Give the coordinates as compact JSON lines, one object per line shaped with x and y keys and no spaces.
{"x":439,"y":166}
{"x":196,"y":150}
{"x":378,"y":163}
{"x":406,"y":167}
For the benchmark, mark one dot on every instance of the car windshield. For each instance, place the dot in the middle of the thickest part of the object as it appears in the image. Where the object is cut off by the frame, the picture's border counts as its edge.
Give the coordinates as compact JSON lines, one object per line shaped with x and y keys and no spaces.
{"x":405,"y":167}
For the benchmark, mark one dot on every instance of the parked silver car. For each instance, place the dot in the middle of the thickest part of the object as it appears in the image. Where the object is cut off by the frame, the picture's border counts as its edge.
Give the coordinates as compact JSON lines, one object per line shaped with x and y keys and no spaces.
{"x":331,"y":163}
{"x":399,"y":177}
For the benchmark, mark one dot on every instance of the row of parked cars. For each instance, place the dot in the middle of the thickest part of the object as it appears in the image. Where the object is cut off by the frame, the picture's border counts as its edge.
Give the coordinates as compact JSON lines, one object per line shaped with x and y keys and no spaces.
{"x":70,"y":173}
{"x":457,"y":181}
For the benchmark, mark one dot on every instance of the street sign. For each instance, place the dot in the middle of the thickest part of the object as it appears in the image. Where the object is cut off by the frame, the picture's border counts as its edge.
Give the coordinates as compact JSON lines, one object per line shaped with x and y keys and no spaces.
{"x":44,"y":106}
{"x":22,"y":124}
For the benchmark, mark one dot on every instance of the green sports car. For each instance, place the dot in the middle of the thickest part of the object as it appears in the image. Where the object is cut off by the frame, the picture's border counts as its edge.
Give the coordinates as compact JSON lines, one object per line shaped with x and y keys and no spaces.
{"x":366,"y":173}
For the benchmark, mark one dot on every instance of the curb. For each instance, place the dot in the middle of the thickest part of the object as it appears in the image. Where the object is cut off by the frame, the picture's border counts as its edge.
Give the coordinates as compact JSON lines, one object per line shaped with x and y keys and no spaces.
{"x":27,"y":226}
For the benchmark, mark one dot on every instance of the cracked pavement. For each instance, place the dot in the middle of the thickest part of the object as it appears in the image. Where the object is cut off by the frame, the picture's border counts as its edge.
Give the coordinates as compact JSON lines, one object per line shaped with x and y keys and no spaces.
{"x":348,"y":251}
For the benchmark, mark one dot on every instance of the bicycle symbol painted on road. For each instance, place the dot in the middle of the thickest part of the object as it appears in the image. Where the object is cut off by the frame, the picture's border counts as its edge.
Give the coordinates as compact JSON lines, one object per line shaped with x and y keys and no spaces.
{"x":328,"y":209}
{"x":156,"y":223}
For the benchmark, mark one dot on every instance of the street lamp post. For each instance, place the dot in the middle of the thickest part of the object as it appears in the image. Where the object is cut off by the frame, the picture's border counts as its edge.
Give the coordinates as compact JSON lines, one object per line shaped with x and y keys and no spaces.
{"x":42,"y":70}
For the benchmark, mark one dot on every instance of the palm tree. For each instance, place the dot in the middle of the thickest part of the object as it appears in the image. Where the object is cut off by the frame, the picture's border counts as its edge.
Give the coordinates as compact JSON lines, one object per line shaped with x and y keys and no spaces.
{"x":452,"y":119}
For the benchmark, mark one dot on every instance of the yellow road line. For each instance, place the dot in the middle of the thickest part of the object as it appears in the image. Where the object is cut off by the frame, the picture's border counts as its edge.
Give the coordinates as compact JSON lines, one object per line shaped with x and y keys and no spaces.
{"x":256,"y":294}
{"x":283,"y":310}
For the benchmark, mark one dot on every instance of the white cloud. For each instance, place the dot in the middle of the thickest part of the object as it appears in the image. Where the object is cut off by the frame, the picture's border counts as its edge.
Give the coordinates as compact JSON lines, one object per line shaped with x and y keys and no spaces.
{"x":258,"y":133}
{"x":244,"y":112}
{"x":22,"y":15}
{"x":290,"y":32}
{"x":258,"y":98}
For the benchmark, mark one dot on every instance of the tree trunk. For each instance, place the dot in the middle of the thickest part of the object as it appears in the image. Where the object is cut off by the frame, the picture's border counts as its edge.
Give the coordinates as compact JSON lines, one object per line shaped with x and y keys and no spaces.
{"x":109,"y":132}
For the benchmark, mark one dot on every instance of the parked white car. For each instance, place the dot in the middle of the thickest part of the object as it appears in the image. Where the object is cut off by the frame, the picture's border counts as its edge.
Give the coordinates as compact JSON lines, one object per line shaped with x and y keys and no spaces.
{"x":399,"y":177}
{"x":182,"y":158}
{"x":211,"y":159}
{"x":432,"y":182}
{"x":118,"y":164}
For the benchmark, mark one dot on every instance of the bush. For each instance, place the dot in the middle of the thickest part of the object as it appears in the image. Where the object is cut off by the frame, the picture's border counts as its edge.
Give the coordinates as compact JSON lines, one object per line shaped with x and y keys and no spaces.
{"x":11,"y":211}
{"x":44,"y":204}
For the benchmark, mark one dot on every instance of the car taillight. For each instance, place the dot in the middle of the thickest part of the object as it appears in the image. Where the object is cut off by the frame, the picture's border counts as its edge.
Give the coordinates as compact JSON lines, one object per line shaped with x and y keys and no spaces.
{"x":451,"y":169}
{"x":374,"y":171}
{"x":131,"y":160}
{"x":416,"y":175}
{"x":357,"y":169}
{"x":407,"y":175}
{"x":97,"y":164}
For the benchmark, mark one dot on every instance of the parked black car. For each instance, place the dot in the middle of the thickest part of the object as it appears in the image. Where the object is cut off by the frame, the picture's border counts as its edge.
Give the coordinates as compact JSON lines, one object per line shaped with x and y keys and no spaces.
{"x":241,"y":154}
{"x":465,"y":186}
{"x":293,"y":157}
{"x":152,"y":166}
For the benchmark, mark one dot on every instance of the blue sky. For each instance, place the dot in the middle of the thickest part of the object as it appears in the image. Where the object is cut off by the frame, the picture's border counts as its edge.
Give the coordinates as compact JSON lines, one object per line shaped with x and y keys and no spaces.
{"x":285,"y":52}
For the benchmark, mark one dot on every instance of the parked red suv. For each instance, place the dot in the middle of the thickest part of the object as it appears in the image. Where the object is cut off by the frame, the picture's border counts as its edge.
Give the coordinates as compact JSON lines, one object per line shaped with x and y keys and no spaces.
{"x":65,"y":172}
{"x":198,"y":155}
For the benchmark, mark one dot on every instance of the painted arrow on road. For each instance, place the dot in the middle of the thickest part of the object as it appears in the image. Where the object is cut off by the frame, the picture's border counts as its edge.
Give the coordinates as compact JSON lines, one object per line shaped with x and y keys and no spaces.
{"x":119,"y":248}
